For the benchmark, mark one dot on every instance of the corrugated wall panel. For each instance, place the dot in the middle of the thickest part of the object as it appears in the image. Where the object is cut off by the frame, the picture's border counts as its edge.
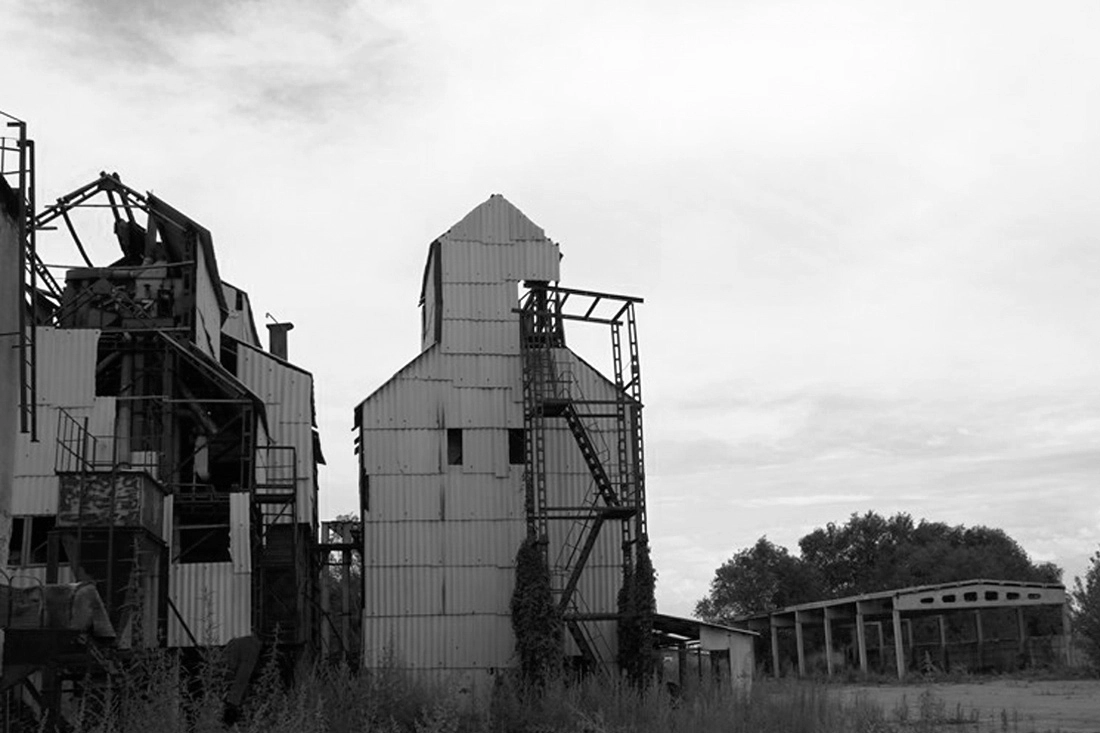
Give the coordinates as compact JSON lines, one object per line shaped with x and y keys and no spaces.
{"x":480,"y":337}
{"x":481,"y":302}
{"x":487,"y":370}
{"x":488,"y":543}
{"x":481,"y":497}
{"x":440,"y":642}
{"x":398,"y":544}
{"x":480,"y":590}
{"x":34,"y":495}
{"x":477,"y":407}
{"x":411,"y":403}
{"x":208,"y":315}
{"x":417,"y":498}
{"x":214,"y":601}
{"x":240,"y":543}
{"x":66,"y":360}
{"x":495,"y":220}
{"x":36,"y":576}
{"x":485,"y":451}
{"x":402,"y":451}
{"x":403,"y":591}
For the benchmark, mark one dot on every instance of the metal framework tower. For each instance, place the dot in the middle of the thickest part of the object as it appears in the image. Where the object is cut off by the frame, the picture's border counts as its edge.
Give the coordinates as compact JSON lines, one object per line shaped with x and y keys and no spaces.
{"x":551,"y":394}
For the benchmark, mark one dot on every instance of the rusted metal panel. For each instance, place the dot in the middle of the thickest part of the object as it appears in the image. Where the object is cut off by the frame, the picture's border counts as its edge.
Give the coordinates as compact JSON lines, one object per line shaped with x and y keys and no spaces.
{"x":214,"y":601}
{"x":402,"y":451}
{"x":401,"y":544}
{"x":403,"y":591}
{"x":116,"y":498}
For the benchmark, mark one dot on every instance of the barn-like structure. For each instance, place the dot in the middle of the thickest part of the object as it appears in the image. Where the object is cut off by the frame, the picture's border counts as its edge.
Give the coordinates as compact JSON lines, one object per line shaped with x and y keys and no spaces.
{"x":497,"y":431}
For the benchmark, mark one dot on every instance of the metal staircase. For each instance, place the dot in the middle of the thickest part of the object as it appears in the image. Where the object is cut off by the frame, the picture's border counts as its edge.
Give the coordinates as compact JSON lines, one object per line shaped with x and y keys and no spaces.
{"x":552,"y":397}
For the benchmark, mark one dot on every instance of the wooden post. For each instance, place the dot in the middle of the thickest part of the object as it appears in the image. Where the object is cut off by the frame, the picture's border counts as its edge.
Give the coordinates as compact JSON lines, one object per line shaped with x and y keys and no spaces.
{"x":800,"y":643}
{"x":899,"y":649}
{"x":1021,"y":629}
{"x":828,"y":643}
{"x":943,"y":641}
{"x":682,"y":663}
{"x":775,"y":646}
{"x":861,"y":638}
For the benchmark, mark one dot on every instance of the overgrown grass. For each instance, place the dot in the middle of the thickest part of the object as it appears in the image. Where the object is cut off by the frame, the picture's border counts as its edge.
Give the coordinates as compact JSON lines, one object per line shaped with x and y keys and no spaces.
{"x":153,"y":695}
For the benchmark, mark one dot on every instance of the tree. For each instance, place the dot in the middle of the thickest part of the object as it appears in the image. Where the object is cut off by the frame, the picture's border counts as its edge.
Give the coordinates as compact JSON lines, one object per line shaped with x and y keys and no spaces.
{"x":637,"y":604}
{"x":535,"y":617}
{"x":755,"y":580}
{"x":1085,"y":598}
{"x":868,"y":553}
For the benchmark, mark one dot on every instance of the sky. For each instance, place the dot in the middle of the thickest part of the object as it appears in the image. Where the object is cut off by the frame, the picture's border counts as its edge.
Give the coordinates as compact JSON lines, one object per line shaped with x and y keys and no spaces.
{"x":866,"y":233}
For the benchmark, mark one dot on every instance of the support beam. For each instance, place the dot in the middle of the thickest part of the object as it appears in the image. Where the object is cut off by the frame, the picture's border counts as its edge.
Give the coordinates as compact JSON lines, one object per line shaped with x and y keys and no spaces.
{"x":942,"y":623}
{"x":800,"y":643}
{"x":978,"y":629}
{"x":828,"y":642}
{"x":899,"y":649}
{"x":775,"y":647}
{"x":1067,"y":650}
{"x":1021,"y":629}
{"x":861,"y":638}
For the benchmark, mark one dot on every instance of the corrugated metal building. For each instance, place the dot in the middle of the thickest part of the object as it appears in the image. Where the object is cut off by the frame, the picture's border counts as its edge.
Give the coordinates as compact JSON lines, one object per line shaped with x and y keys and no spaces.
{"x":447,"y":464}
{"x":174,"y":454}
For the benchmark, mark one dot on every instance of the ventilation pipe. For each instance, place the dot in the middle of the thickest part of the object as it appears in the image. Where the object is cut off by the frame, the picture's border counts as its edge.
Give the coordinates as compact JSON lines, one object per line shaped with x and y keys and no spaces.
{"x":276,"y":339}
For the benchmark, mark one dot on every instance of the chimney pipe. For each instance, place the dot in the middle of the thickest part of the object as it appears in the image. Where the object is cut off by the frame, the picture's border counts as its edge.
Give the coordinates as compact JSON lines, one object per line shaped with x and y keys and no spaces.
{"x":276,"y":339}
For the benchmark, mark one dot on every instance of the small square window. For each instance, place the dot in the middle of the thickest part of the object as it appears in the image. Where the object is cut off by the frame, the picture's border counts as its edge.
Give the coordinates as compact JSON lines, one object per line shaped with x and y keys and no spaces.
{"x":517,"y":448}
{"x":454,"y":446}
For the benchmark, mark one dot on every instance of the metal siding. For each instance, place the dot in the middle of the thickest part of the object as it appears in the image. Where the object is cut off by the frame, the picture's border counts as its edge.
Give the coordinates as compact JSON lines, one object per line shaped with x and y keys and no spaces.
{"x":471,"y":496}
{"x":402,"y":451}
{"x":394,"y":498}
{"x":485,"y":451}
{"x":208,"y":314}
{"x":443,"y":643}
{"x":34,"y":495}
{"x":401,"y":544}
{"x":485,"y":370}
{"x":488,"y":543}
{"x":287,"y":393}
{"x":480,"y":337}
{"x":214,"y":601}
{"x":477,"y":407}
{"x":405,"y":394}
{"x":478,"y":590}
{"x":34,"y":576}
{"x":240,"y":541}
{"x":403,"y":591}
{"x":489,"y":301}
{"x":66,"y":361}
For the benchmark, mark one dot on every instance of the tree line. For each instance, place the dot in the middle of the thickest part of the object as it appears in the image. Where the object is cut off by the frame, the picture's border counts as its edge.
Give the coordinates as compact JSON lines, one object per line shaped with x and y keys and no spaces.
{"x":867,"y":553}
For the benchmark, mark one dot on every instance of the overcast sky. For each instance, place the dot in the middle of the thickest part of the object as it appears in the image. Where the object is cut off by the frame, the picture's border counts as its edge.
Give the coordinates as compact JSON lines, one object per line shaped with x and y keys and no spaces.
{"x":866,"y":232}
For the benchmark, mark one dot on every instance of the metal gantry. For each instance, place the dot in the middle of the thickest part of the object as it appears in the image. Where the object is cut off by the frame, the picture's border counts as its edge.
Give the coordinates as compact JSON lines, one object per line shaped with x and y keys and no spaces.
{"x":551,"y":392}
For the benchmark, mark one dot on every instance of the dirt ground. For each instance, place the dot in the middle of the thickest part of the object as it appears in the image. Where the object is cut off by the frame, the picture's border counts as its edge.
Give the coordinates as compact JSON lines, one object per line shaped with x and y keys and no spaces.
{"x":1070,"y":706}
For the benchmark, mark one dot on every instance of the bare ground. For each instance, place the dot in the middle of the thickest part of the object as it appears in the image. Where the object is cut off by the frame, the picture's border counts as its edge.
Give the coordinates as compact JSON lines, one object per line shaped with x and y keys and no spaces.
{"x":1012,"y":705}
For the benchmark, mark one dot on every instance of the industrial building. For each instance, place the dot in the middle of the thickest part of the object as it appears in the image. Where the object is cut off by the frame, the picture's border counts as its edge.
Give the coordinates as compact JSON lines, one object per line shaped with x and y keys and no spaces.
{"x":939,"y":627}
{"x":159,"y":452}
{"x":495,"y":432}
{"x":497,"y":429}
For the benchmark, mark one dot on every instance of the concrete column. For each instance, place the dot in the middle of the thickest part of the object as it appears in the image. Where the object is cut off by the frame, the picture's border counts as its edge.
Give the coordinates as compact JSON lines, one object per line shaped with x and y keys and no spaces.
{"x":801,"y":644}
{"x":899,"y":648}
{"x":828,"y":642}
{"x":861,"y":638}
{"x":1067,"y":650}
{"x":942,"y":623}
{"x":978,"y":629}
{"x":775,"y":646}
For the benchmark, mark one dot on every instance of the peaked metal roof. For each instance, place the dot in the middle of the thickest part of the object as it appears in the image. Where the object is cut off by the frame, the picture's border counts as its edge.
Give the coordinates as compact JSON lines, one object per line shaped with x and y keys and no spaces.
{"x":495,"y":221}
